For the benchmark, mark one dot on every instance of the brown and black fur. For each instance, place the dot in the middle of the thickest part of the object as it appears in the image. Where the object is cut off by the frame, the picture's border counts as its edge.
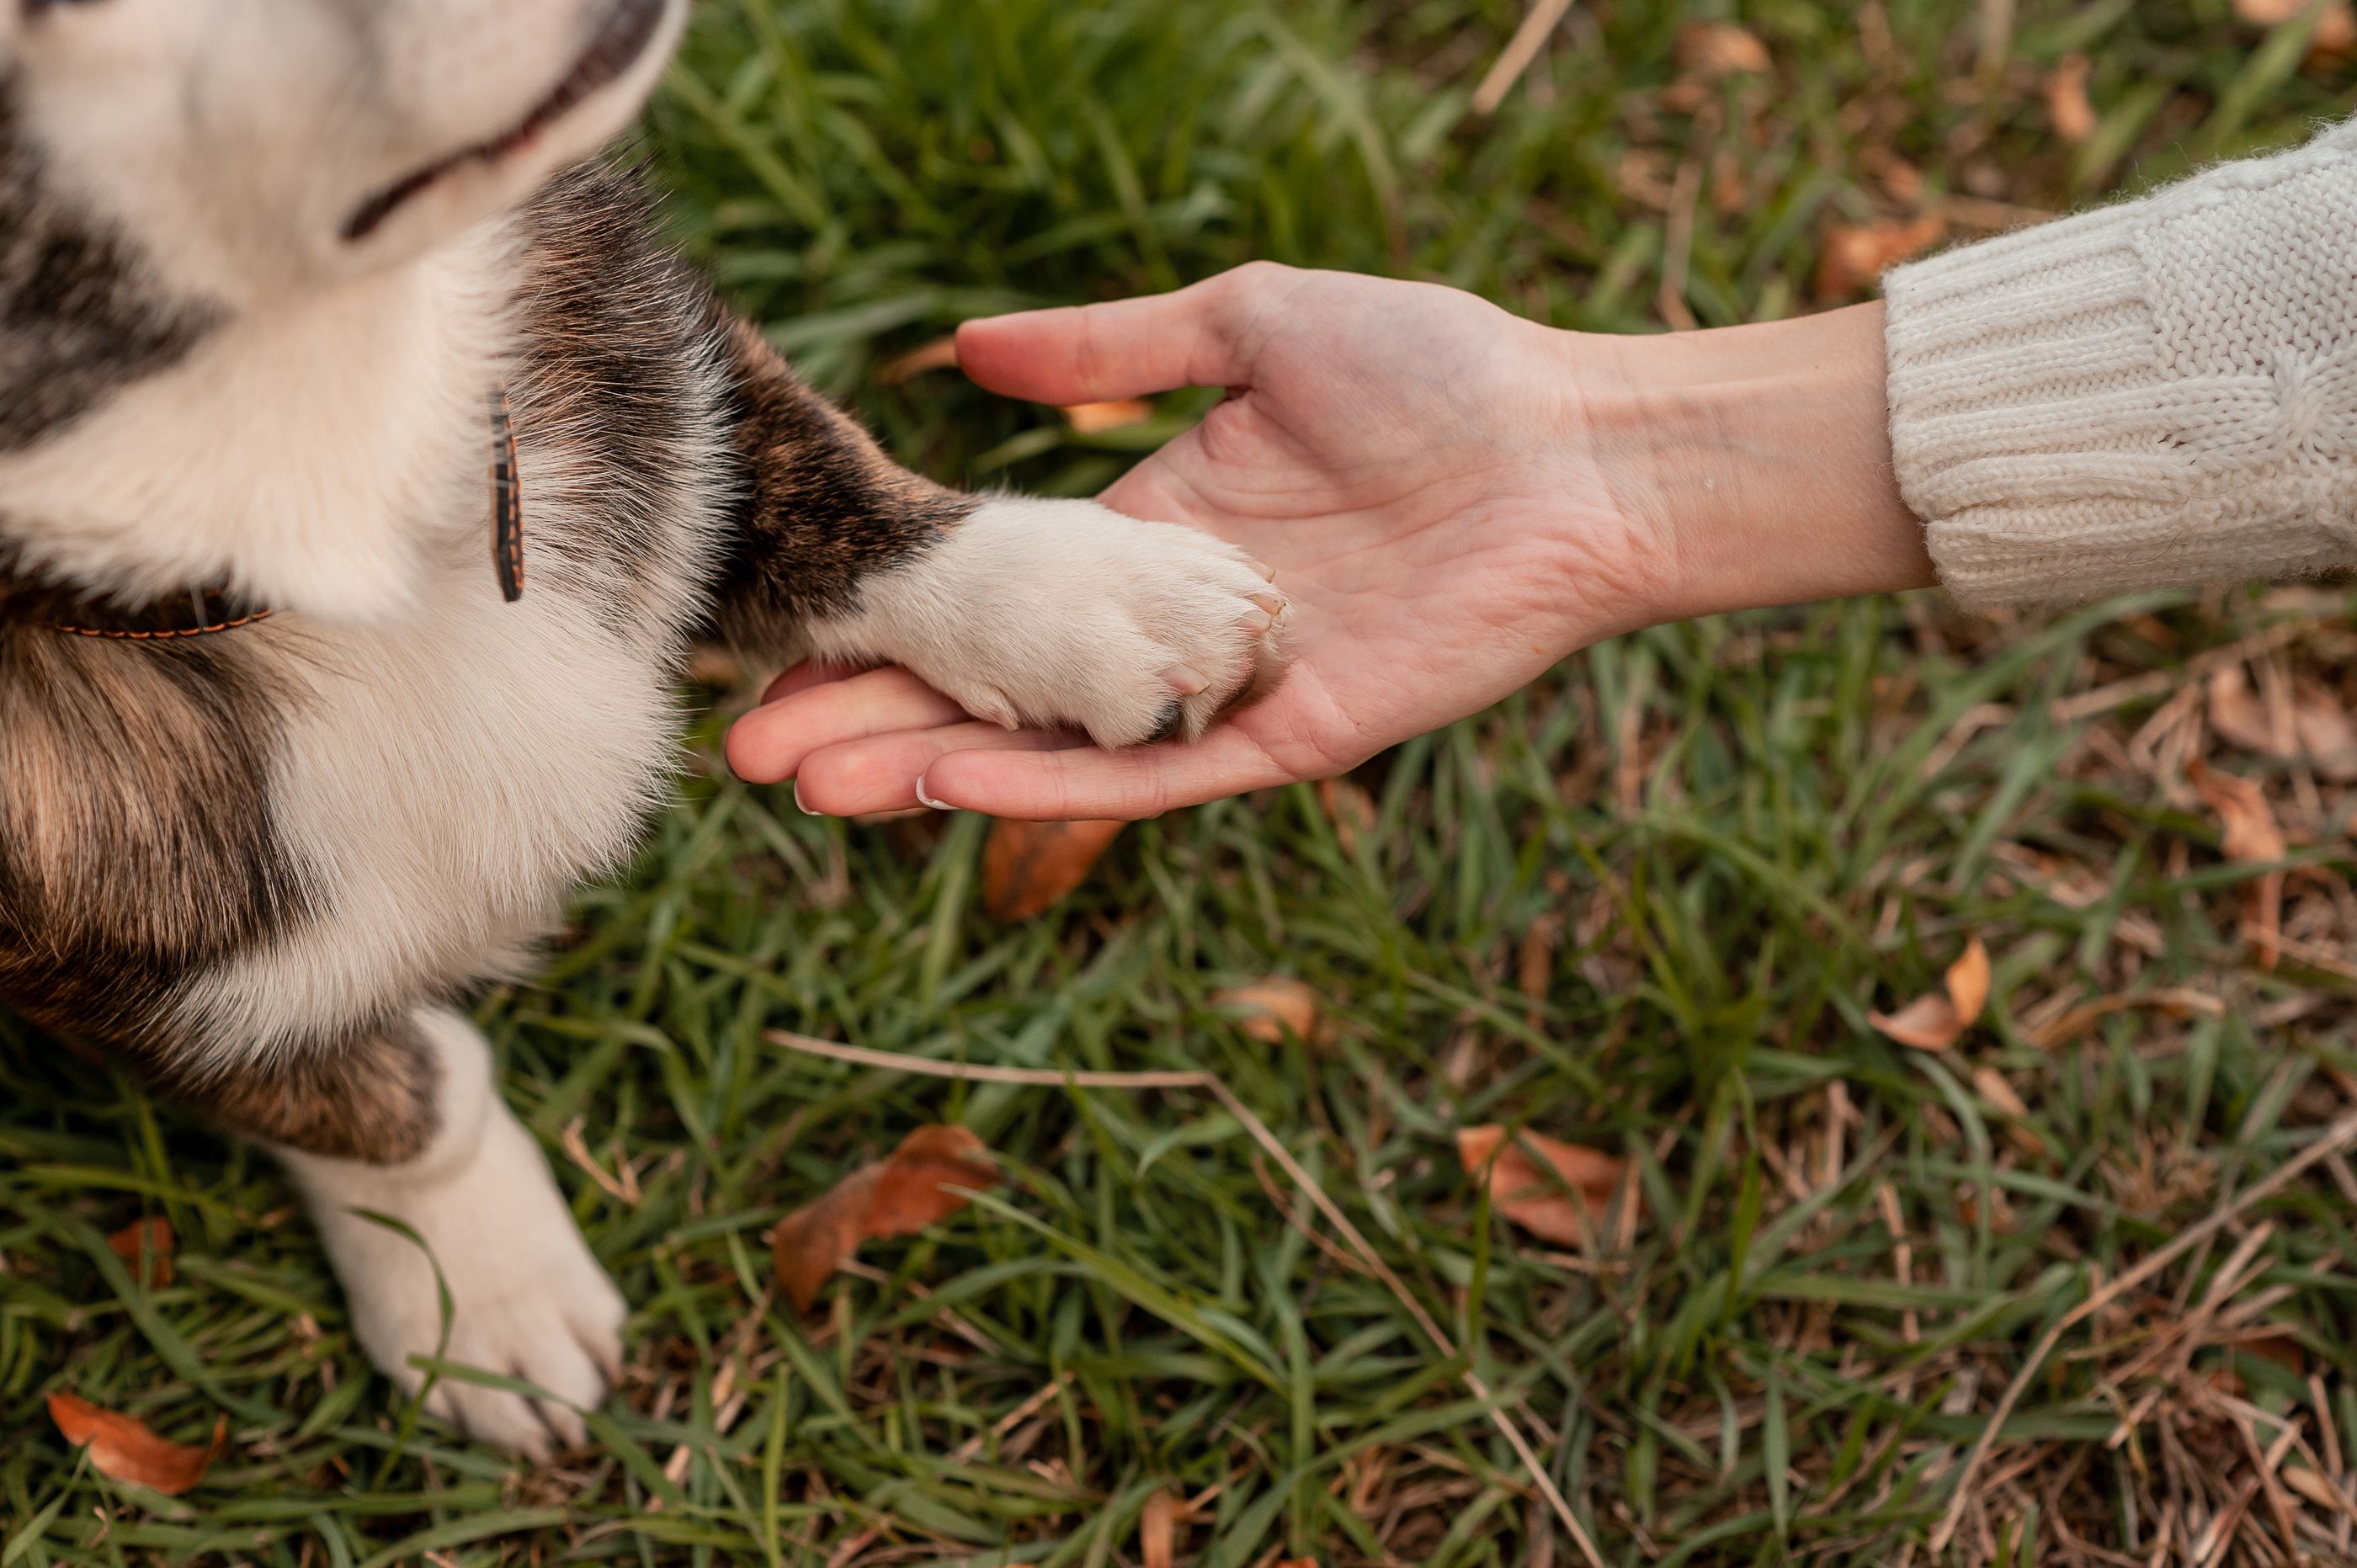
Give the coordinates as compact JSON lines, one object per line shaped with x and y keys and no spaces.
{"x":135,"y":844}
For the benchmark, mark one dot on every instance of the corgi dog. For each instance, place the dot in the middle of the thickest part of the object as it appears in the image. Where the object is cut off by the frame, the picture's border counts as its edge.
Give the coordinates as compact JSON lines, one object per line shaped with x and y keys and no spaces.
{"x":368,"y":469}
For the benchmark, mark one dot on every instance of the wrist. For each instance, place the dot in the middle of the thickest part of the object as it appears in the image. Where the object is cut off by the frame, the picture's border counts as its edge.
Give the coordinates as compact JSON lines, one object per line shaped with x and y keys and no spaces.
{"x":1755,"y":461}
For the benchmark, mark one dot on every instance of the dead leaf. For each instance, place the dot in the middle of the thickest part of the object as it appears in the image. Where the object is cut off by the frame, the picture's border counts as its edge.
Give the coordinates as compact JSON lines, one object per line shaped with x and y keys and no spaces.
{"x":941,"y":354}
{"x":1968,"y":982}
{"x":2316,"y":1488}
{"x":1350,"y":808}
{"x":1268,"y":1009}
{"x":1028,"y":869}
{"x":2327,"y":733}
{"x":156,"y":1233}
{"x":1520,"y":1191}
{"x":1157,"y":1531}
{"x":1713,"y":52}
{"x":1856,"y":256}
{"x":1927,"y":1023}
{"x":121,"y":1447}
{"x":1937,"y":1021}
{"x":2237,"y":715}
{"x":2251,"y":837}
{"x":1097,"y":418}
{"x":2068,"y":109}
{"x":716,"y":668}
{"x":896,"y":1196}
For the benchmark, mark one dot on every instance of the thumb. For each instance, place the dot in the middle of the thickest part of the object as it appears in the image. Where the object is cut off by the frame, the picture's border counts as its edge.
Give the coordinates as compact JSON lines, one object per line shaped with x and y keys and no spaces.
{"x":1198,"y":336}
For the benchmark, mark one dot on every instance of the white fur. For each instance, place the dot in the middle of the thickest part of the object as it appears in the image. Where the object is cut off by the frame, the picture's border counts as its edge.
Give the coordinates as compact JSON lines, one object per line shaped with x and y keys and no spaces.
{"x":251,"y":131}
{"x":311,"y":458}
{"x":1054,"y":612}
{"x":528,"y":1299}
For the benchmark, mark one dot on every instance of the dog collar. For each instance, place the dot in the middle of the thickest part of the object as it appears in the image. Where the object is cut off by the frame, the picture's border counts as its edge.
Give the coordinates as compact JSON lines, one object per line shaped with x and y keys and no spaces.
{"x":209,"y":610}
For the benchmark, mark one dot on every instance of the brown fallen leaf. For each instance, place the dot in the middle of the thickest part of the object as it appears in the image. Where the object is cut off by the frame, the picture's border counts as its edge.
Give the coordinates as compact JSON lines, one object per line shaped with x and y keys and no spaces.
{"x":1267,"y":1010}
{"x":1028,"y":869}
{"x":941,"y":354}
{"x":2309,"y":1484}
{"x":2332,"y":28}
{"x":156,"y":1234}
{"x":1097,"y":418}
{"x":2321,"y":729}
{"x":1157,"y":1532}
{"x":2327,"y":733}
{"x":1938,"y":1020}
{"x":1350,"y":808}
{"x":121,"y":1447}
{"x":2250,"y":837}
{"x":2068,"y":109}
{"x":1856,"y":256}
{"x":1520,"y":1191}
{"x":2237,"y":715}
{"x":1713,"y":52}
{"x":898,"y":1196}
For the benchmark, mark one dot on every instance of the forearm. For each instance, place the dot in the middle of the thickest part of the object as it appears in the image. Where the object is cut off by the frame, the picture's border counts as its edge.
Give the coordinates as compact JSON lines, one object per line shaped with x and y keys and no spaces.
{"x":1756,"y":458}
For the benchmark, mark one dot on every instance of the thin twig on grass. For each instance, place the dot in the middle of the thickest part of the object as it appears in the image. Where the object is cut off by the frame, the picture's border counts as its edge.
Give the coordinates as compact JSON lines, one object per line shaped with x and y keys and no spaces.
{"x":1521,"y":49}
{"x":2337,"y":1138}
{"x":1211,"y":1084}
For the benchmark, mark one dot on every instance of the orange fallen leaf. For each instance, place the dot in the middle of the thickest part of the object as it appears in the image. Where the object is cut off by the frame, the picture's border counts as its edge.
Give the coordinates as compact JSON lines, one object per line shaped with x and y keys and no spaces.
{"x":2336,"y":29}
{"x":1997,"y":1090}
{"x":1028,"y":869}
{"x":1856,"y":256}
{"x":121,"y":1447}
{"x":1938,"y":1020}
{"x":941,"y":354}
{"x":1267,"y":1010}
{"x":1521,"y":1191}
{"x":156,"y":1234}
{"x":1157,"y":1532}
{"x":898,"y":1196}
{"x":1712,"y":51}
{"x":2068,"y":109}
{"x":1350,"y":809}
{"x":1097,"y":418}
{"x":2250,"y":837}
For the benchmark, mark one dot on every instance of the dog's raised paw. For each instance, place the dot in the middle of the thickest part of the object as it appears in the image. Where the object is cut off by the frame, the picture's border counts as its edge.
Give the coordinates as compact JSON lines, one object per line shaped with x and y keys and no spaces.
{"x":1066,"y":613}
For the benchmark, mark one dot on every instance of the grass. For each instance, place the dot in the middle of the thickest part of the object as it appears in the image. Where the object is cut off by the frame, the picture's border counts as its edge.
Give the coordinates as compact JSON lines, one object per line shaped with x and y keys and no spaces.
{"x":1646,"y":905}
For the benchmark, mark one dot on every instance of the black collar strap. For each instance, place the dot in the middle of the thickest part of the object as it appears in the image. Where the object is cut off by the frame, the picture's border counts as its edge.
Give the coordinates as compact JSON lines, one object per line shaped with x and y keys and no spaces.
{"x":209,"y":611}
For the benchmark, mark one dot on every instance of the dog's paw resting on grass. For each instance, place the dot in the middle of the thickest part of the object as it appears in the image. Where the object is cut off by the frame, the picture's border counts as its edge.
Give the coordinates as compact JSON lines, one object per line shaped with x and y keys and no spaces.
{"x":526,"y":1299}
{"x":1064,"y":613}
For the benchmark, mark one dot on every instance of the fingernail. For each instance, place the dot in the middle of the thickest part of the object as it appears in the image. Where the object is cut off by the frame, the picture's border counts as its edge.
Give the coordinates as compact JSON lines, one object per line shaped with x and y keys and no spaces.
{"x":801,"y":805}
{"x":928,"y":800}
{"x":1272,"y":603}
{"x":1184,"y":679}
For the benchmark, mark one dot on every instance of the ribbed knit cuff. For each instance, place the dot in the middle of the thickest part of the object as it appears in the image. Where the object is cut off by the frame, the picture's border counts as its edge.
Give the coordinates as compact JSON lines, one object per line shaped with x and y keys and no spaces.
{"x":2158,"y":393}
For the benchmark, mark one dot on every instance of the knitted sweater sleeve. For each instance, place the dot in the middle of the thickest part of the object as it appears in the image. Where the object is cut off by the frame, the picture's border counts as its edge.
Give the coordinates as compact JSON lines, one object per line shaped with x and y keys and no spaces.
{"x":2158,"y":393}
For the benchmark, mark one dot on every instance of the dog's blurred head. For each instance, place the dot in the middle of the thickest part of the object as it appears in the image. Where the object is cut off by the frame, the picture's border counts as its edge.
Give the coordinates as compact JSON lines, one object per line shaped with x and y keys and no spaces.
{"x":167,"y":165}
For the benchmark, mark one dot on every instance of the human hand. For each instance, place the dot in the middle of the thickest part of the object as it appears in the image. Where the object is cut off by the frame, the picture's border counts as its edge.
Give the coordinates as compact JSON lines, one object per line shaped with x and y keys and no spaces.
{"x":1453,"y":499}
{"x":1407,"y":459}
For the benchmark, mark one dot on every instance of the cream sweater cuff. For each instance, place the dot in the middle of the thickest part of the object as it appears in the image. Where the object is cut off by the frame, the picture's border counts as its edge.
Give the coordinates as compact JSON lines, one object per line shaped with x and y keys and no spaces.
{"x":2158,"y":393}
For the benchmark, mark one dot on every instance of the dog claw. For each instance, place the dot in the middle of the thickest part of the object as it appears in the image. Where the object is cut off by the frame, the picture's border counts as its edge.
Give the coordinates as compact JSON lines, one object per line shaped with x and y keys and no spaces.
{"x":1264,"y":569}
{"x":1274,"y":603}
{"x":1184,"y":679}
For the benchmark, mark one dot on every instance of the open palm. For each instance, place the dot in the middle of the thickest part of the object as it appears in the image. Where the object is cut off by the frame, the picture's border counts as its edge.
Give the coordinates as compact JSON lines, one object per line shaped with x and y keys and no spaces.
{"x":1412,"y":463}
